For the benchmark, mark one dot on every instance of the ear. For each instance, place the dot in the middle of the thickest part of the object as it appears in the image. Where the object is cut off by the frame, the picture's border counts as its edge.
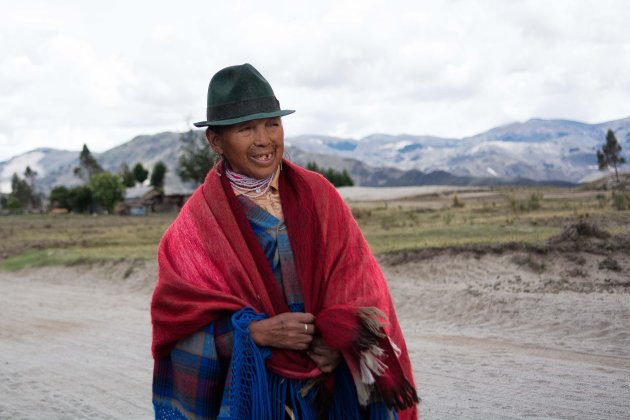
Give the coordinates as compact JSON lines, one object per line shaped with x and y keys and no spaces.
{"x":214,"y":140}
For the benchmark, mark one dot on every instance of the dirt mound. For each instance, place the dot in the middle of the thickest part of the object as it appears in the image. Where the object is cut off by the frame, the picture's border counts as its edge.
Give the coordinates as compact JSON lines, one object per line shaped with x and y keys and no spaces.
{"x":588,"y":236}
{"x":476,"y":250}
{"x":582,"y":230}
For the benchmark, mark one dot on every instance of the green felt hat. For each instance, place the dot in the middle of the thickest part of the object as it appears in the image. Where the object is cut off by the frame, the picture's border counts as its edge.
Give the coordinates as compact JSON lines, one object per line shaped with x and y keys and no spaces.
{"x":240,"y":93}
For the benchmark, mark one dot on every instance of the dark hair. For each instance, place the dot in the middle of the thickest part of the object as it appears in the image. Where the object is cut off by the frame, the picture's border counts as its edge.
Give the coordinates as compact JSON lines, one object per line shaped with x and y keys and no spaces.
{"x":216,"y":129}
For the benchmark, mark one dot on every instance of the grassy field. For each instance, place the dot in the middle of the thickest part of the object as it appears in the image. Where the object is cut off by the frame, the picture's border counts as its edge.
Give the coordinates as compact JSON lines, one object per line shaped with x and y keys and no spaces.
{"x":40,"y":240}
{"x":437,"y":220}
{"x":484,"y":217}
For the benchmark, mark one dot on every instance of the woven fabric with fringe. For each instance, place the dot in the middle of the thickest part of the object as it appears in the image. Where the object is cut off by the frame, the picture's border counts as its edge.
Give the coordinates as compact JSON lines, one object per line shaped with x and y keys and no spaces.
{"x":249,"y":388}
{"x":192,"y":384}
{"x":246,"y":395}
{"x":211,"y":265}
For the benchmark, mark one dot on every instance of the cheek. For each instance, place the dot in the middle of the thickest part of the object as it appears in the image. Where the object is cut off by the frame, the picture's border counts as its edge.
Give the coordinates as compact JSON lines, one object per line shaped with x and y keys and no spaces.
{"x":279,"y":141}
{"x":240,"y":152}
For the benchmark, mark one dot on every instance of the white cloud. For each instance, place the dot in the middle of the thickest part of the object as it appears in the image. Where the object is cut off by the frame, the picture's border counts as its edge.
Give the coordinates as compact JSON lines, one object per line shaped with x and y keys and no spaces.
{"x":77,"y":72}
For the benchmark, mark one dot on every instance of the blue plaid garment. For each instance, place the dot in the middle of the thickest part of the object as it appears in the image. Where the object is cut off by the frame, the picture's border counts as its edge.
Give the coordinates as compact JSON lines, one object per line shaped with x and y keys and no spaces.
{"x":189,"y":383}
{"x":199,"y":380}
{"x":274,"y":240}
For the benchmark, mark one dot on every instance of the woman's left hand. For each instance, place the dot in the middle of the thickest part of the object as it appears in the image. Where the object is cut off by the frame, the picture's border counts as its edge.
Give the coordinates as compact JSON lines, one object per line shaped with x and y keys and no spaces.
{"x":326,"y":358}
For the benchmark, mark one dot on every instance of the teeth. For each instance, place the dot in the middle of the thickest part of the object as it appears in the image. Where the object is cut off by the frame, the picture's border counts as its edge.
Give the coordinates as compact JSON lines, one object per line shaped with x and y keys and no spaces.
{"x":264,"y":157}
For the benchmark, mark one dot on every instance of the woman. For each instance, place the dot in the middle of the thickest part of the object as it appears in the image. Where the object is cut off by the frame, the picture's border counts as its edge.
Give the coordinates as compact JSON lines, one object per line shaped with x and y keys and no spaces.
{"x":269,"y":303}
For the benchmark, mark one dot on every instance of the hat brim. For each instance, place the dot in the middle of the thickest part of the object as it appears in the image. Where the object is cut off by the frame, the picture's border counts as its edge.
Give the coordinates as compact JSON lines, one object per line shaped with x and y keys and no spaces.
{"x":259,"y":116}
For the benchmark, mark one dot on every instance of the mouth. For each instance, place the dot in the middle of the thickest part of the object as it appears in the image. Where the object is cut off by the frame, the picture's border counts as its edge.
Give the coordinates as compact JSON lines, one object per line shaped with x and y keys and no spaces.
{"x":264,"y":158}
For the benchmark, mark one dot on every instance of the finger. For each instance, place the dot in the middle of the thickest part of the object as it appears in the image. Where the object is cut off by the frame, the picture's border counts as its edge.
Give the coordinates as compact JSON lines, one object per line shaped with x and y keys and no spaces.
{"x":299,"y":338}
{"x":303,"y":317}
{"x":305,"y":340}
{"x":303,"y":328}
{"x":297,"y":345}
{"x":319,"y":361}
{"x":322,"y":351}
{"x":321,"y":348}
{"x":323,"y":359}
{"x":324,"y":364}
{"x":301,"y":346}
{"x":309,"y":329}
{"x":326,"y":368}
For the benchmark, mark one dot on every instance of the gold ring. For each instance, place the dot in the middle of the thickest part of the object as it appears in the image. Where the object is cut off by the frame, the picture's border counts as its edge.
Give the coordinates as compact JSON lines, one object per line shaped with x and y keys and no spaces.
{"x":305,"y":329}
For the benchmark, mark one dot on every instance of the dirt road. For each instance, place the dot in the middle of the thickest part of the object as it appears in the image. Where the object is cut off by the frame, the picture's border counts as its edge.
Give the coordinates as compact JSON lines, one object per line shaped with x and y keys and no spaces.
{"x":74,"y":342}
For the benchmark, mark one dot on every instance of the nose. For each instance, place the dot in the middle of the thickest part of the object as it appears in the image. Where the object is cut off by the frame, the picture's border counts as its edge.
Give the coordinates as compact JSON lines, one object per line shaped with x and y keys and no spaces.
{"x":261,"y":135}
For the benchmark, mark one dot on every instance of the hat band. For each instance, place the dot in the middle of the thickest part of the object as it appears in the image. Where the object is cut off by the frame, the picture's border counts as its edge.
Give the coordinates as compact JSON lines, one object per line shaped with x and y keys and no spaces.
{"x":242,"y":108}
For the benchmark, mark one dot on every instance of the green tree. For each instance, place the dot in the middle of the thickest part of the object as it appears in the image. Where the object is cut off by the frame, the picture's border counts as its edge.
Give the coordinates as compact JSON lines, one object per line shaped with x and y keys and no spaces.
{"x":22,"y":192}
{"x":126,"y":176}
{"x":59,"y":197}
{"x":345,"y":179}
{"x":79,"y":199}
{"x":157,"y":174}
{"x":88,"y":165}
{"x":13,"y":204}
{"x":139,"y":173}
{"x":30,"y":176}
{"x":338,"y":179}
{"x":196,"y":158}
{"x":107,"y":189}
{"x":610,"y":154}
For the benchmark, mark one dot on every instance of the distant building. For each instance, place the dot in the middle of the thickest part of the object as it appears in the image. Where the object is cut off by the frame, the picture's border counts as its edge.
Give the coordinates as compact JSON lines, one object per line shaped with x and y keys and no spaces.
{"x":140,"y":201}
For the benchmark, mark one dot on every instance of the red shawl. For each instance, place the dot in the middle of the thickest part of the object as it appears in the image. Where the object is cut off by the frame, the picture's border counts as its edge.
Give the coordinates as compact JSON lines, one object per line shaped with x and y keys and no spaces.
{"x":211,"y":265}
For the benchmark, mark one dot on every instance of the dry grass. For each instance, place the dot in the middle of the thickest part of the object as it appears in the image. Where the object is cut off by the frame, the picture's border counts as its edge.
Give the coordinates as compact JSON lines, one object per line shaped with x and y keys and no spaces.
{"x":498,"y":216}
{"x":40,"y":240}
{"x":522,"y":215}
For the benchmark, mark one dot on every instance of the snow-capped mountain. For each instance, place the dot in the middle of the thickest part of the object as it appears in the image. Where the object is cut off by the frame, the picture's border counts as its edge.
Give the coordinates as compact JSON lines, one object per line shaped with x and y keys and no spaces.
{"x":540,"y":150}
{"x":44,"y":161}
{"x":536,"y":149}
{"x":55,"y":167}
{"x":148,"y":150}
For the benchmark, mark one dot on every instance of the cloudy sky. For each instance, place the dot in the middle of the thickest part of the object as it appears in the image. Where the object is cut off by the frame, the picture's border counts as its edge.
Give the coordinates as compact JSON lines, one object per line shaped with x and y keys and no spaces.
{"x":74,"y":72}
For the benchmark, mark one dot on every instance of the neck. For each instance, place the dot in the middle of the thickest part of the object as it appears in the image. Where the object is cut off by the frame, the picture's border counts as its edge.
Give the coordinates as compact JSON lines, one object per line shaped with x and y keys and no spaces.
{"x":251,"y":187}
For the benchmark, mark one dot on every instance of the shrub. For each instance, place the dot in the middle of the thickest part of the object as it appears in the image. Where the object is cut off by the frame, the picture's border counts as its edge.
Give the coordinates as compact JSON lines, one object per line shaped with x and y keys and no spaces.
{"x":107,"y":189}
{"x":513,"y":204}
{"x":13,"y":204}
{"x":621,"y":200}
{"x":59,"y":197}
{"x":358,"y":213}
{"x":79,"y":199}
{"x":534,"y":202}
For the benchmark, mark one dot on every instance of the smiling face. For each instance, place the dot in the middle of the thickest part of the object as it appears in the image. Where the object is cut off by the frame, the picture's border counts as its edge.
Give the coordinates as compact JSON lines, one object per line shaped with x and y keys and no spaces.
{"x":253,"y":148}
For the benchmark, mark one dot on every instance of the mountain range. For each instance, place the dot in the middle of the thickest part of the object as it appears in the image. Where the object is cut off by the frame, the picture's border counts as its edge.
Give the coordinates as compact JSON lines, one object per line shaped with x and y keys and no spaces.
{"x":541,"y":150}
{"x":535,"y":151}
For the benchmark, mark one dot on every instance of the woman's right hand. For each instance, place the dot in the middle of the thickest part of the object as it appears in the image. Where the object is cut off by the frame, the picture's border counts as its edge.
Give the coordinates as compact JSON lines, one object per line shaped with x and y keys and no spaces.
{"x":290,"y":330}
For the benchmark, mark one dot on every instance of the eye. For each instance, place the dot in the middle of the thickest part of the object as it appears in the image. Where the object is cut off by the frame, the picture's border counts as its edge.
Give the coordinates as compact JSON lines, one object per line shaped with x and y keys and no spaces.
{"x":244,"y":128}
